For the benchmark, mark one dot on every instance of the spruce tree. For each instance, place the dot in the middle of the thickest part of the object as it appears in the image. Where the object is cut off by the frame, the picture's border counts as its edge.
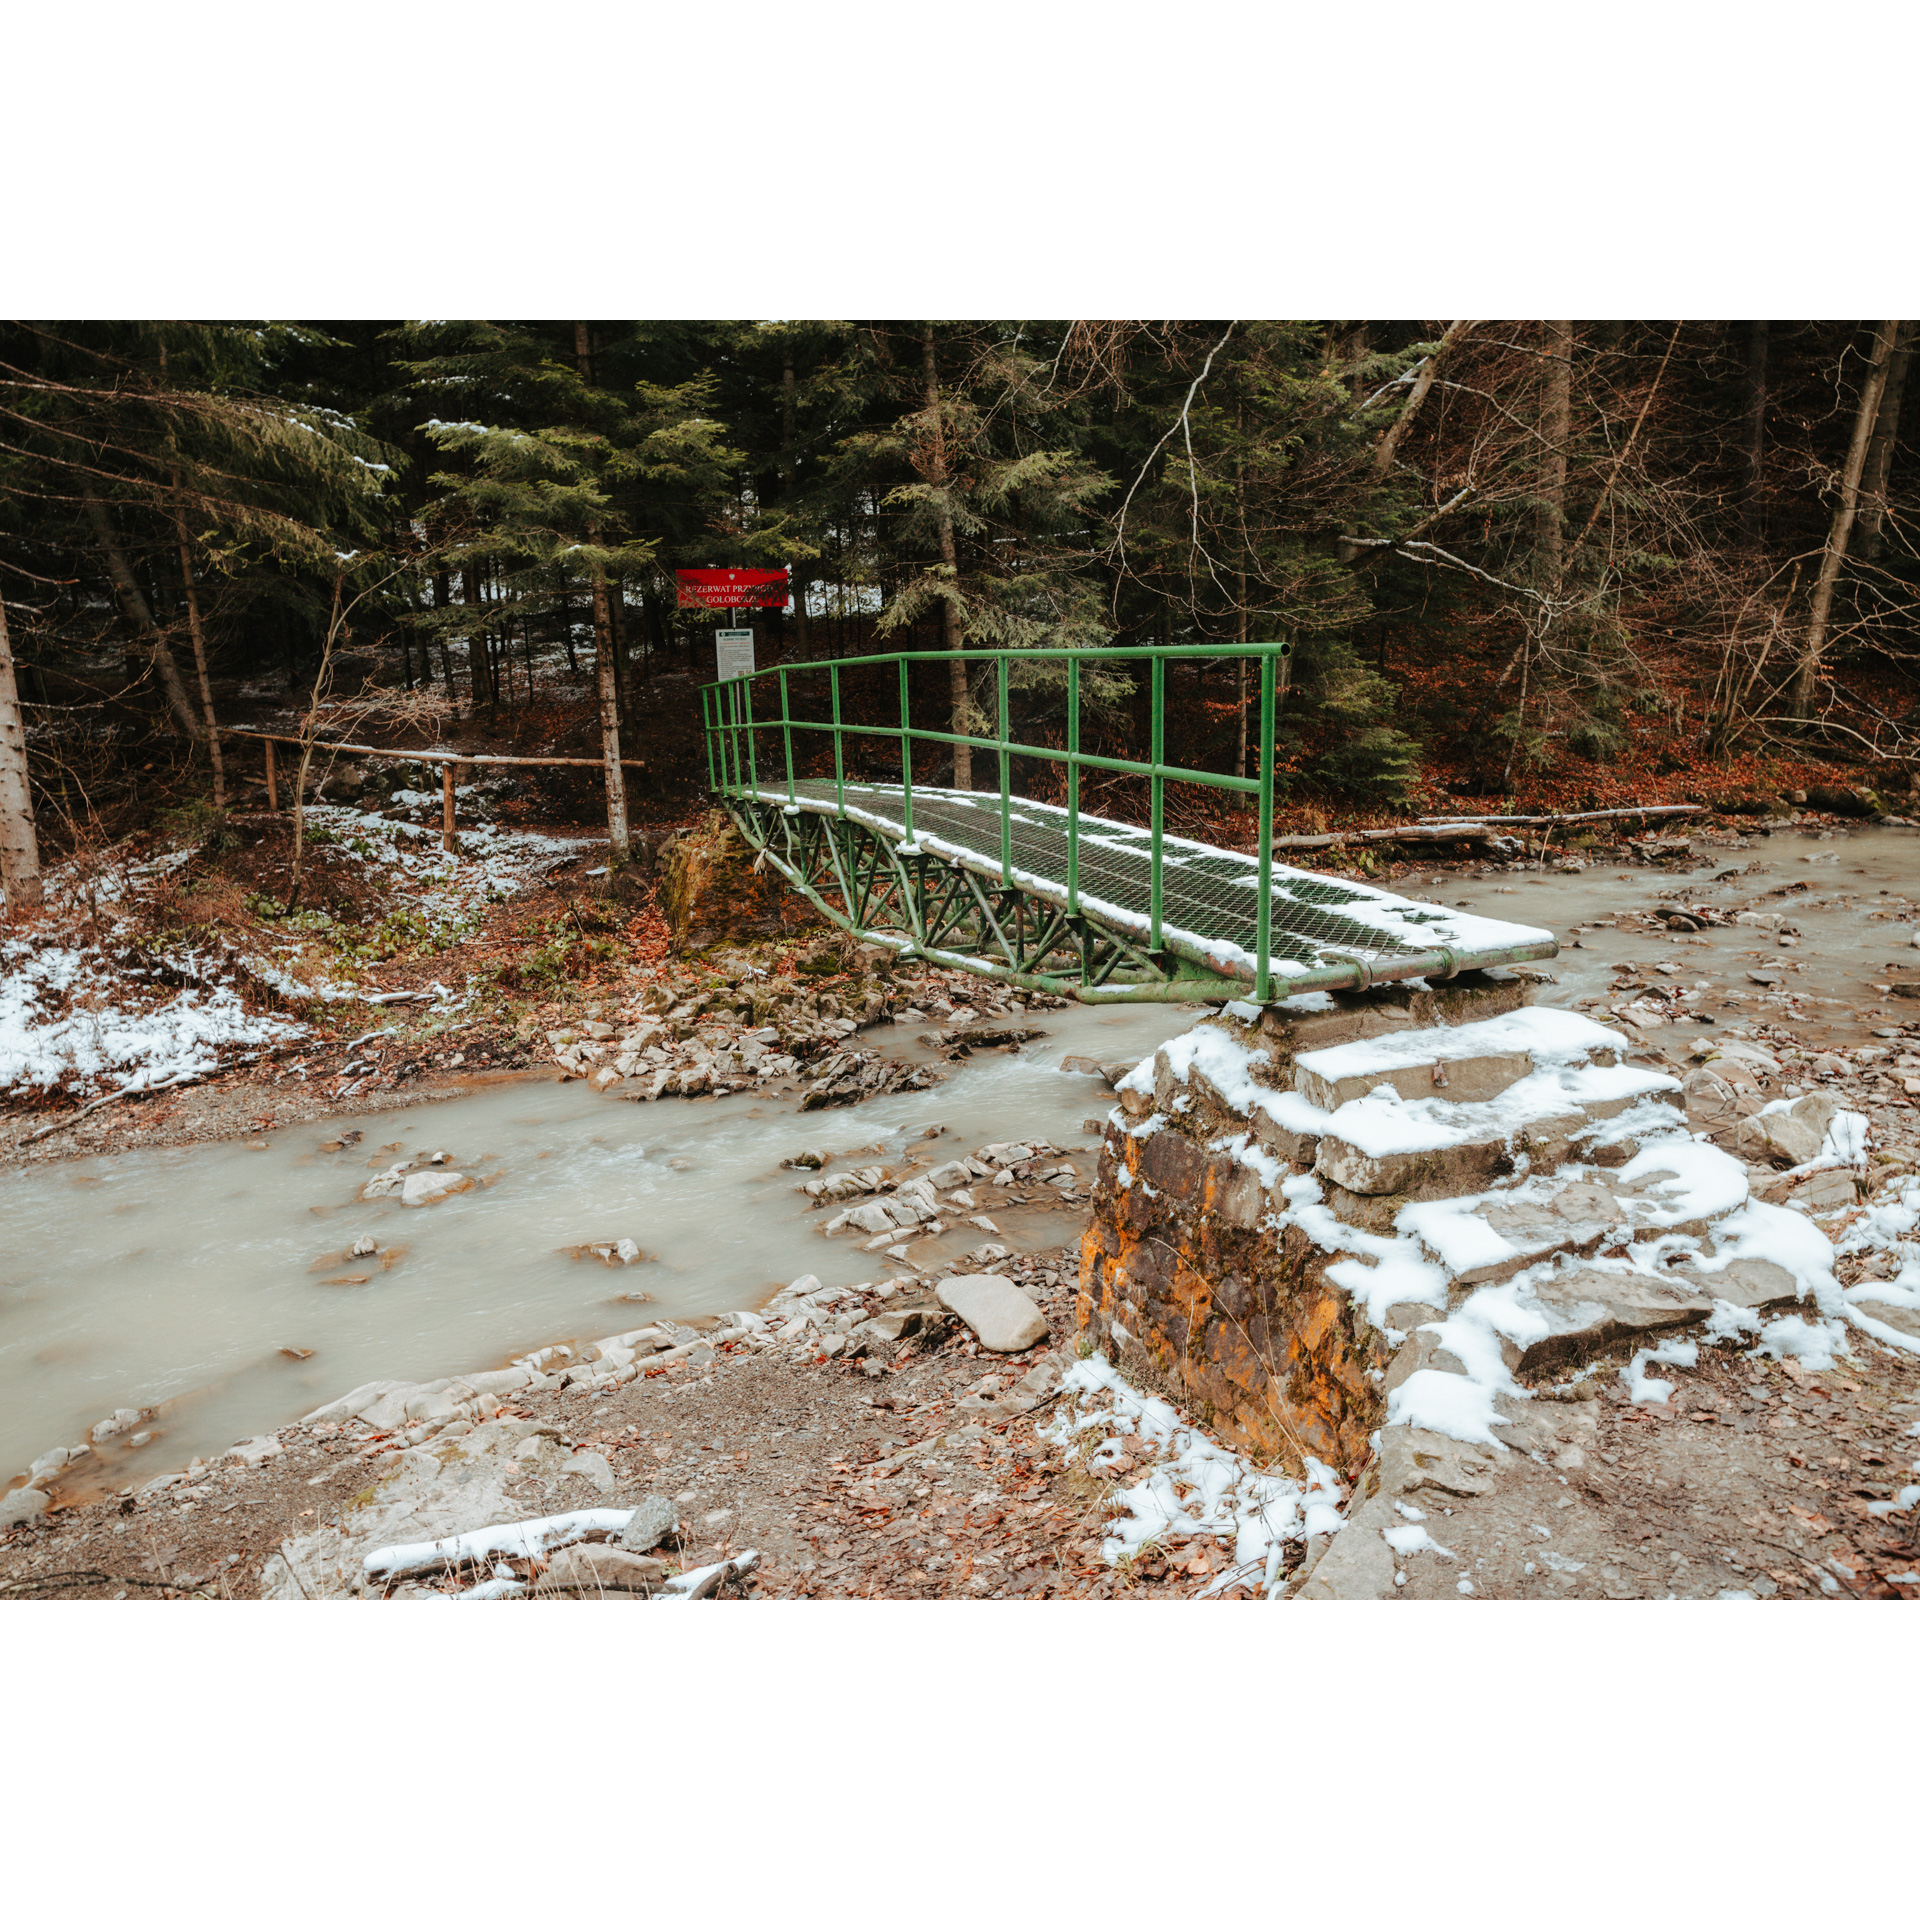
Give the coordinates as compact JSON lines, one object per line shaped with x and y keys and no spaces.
{"x":575,"y":469}
{"x":986,"y":502}
{"x":163,"y":447}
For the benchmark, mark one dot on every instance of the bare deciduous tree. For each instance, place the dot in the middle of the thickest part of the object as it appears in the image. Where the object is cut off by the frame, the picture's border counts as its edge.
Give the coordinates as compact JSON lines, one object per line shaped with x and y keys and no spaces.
{"x":19,"y":845}
{"x":1833,"y":556}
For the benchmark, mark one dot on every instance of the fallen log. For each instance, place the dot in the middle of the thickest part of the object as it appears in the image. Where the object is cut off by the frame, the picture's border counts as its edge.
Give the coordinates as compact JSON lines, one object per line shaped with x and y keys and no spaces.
{"x":1462,"y":830}
{"x":1550,"y":819}
{"x":138,"y":1093}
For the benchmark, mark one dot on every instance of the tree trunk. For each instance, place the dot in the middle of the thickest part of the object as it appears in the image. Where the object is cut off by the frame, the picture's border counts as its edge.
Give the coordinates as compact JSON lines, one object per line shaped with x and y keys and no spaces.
{"x":1886,"y":432}
{"x":309,"y":727}
{"x":958,"y":702}
{"x":1753,"y":429}
{"x":133,"y":604}
{"x":1556,"y":424}
{"x":604,"y":674}
{"x":789,"y":438}
{"x":19,"y":846}
{"x":1813,"y":650}
{"x":622,"y":666}
{"x":200,"y":657}
{"x":443,"y":598}
{"x":606,"y":662}
{"x":477,"y":663}
{"x":1423,"y":383}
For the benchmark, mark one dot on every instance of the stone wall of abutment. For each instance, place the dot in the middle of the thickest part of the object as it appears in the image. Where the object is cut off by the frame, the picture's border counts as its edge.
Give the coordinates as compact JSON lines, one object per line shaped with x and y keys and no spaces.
{"x":1191,"y":1279}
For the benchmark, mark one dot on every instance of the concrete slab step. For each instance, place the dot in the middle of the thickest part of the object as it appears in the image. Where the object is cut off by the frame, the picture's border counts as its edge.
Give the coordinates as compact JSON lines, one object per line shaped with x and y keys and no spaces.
{"x":1592,"y":1311}
{"x":1474,"y":1062}
{"x":1685,"y":1187}
{"x":1436,"y":1148}
{"x":1487,"y":1241}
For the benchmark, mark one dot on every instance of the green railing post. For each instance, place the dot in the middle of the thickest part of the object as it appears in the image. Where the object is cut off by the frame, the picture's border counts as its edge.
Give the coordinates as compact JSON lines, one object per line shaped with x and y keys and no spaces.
{"x":1073,"y":786}
{"x":1158,"y":789}
{"x":839,"y":757}
{"x":1263,"y":956}
{"x":906,"y":755}
{"x":1006,"y":781}
{"x":745,"y":683}
{"x":786,"y":732}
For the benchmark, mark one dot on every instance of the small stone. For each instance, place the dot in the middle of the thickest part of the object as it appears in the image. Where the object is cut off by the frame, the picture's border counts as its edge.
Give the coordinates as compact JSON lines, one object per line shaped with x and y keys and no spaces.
{"x":1751,"y":1283}
{"x":653,"y":1519}
{"x":595,"y":1467}
{"x":365,"y":1245}
{"x":1591,"y":1310}
{"x":596,"y":1566}
{"x":719,"y":1520}
{"x":22,"y":1505}
{"x":422,"y":1189}
{"x":1080,"y":1063}
{"x":1001,"y":1317}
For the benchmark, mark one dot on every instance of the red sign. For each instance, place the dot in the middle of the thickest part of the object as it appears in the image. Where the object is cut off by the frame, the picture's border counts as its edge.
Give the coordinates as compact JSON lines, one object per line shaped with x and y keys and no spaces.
{"x":733,"y":586}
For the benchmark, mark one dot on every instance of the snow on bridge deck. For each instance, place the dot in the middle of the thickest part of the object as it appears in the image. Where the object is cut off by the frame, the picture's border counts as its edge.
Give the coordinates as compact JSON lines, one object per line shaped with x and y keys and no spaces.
{"x":1209,"y":895}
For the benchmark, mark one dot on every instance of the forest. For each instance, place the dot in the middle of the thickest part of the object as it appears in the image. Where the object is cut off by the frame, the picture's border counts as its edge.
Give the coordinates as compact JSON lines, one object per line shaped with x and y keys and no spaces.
{"x":1522,"y":564}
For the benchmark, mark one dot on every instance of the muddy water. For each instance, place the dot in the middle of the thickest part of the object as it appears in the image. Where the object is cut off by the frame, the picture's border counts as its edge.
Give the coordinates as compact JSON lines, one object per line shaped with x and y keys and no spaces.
{"x":171,"y":1279}
{"x":1855,"y":915}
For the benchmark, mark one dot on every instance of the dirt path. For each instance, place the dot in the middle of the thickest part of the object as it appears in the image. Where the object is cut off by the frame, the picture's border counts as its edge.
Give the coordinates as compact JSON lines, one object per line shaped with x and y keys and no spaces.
{"x":820,"y":1467}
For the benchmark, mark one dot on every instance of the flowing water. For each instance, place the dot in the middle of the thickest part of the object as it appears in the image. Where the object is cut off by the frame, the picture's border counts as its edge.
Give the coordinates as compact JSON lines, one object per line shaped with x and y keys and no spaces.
{"x":1857,"y":885}
{"x":171,"y":1278}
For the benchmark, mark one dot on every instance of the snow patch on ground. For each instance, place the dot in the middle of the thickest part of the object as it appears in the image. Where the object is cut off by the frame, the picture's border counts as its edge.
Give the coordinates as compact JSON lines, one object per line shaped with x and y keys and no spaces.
{"x":1196,"y":1489}
{"x":72,"y":1019}
{"x":82,"y":1019}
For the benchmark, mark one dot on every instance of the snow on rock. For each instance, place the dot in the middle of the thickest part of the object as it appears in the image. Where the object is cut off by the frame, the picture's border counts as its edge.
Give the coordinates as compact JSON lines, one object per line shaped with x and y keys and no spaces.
{"x":1552,"y":1036}
{"x":1413,"y":1539}
{"x":1197,"y":1488}
{"x":1384,"y":1124}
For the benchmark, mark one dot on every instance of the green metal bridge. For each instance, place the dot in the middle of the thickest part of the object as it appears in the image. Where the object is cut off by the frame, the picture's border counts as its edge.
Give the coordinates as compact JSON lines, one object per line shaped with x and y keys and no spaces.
{"x":1044,"y":893}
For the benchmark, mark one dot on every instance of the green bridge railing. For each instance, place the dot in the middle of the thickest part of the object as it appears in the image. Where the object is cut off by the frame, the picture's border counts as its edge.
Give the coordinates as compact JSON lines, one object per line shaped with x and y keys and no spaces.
{"x":750,"y":753}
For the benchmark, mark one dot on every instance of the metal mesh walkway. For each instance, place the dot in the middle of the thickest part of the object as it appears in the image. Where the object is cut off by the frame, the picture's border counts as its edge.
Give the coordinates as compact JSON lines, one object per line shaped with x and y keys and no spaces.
{"x":1209,"y":896}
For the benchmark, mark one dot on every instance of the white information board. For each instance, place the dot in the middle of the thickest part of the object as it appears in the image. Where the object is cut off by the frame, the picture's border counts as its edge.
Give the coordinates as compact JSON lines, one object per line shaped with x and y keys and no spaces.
{"x":733,"y":651}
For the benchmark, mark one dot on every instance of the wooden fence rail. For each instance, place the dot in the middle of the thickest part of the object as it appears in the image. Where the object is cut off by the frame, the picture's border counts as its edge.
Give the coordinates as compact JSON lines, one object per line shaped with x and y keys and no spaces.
{"x":446,"y":762}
